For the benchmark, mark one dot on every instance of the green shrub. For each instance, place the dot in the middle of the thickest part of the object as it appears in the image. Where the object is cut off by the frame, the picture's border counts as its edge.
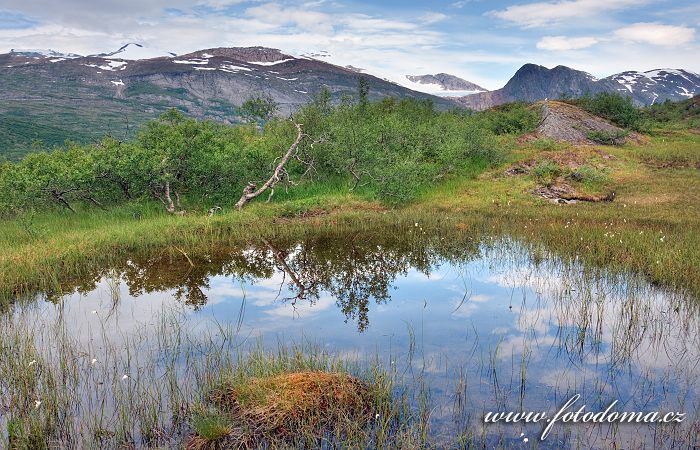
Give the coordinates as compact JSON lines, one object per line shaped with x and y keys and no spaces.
{"x":546,"y":172}
{"x":685,"y":113}
{"x":511,"y":118}
{"x":614,"y":107}
{"x":589,"y":175}
{"x":546,"y":144}
{"x":608,"y":137}
{"x":391,"y":149}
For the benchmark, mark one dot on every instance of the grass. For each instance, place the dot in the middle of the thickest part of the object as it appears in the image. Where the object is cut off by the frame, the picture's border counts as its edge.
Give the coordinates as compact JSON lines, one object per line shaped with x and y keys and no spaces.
{"x":651,"y":228}
{"x":133,"y":390}
{"x":289,"y":407}
{"x":171,"y":382}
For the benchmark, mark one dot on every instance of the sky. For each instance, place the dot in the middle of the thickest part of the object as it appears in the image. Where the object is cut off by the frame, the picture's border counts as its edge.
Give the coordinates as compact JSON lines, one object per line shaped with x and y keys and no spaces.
{"x":482,"y":41}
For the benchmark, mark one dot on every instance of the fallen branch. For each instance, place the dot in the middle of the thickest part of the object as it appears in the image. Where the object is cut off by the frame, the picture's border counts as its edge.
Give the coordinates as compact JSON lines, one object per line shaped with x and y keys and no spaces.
{"x":250,"y":192}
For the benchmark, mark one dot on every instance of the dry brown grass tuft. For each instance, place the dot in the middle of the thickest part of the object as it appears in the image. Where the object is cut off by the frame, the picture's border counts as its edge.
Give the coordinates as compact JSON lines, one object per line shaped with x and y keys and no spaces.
{"x":292,"y":407}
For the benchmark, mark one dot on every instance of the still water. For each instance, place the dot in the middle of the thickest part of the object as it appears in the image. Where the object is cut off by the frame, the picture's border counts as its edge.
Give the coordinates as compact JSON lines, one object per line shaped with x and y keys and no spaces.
{"x":470,"y":325}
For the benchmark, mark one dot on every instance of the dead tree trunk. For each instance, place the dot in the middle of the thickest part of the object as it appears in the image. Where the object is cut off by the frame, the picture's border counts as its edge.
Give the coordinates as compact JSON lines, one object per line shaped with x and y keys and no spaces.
{"x":249,"y":193}
{"x":59,"y":197}
{"x":169,"y":205}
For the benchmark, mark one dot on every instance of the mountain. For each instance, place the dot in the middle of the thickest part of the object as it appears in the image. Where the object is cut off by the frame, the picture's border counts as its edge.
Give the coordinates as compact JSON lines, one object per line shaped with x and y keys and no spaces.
{"x":658,"y":85}
{"x":532,"y":83}
{"x":42,"y":53}
{"x":446,"y":82}
{"x":134,"y":51}
{"x":53,"y":97}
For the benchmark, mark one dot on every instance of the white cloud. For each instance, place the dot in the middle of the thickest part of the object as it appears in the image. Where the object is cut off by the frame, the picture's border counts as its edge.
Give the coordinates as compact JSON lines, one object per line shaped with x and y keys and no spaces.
{"x":656,"y":34}
{"x":434,"y":17}
{"x":220,"y":4}
{"x":386,"y":45}
{"x":275,"y":14}
{"x":546,"y":13}
{"x":462,"y":3}
{"x":563,"y":43}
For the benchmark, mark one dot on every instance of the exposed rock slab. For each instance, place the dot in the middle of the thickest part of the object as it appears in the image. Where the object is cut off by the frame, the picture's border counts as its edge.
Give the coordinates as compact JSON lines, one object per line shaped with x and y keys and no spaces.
{"x":567,"y":123}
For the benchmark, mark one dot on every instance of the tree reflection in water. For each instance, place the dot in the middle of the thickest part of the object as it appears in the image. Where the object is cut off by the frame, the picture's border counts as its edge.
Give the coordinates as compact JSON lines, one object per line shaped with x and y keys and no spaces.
{"x":353,"y":268}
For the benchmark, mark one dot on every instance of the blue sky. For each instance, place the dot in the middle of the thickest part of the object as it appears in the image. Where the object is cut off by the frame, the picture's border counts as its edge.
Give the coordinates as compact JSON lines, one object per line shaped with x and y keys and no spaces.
{"x":482,"y":41}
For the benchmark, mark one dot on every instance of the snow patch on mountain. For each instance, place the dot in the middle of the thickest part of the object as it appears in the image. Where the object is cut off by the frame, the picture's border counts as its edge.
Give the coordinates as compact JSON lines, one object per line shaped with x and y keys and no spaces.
{"x":191,"y":61}
{"x":43,"y":53}
{"x":270,"y":63}
{"x":234,"y":68}
{"x":110,"y":65}
{"x":134,"y":51}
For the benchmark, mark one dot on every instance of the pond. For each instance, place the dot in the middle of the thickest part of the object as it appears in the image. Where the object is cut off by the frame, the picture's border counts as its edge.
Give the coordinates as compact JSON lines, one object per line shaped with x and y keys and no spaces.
{"x":466,"y":324}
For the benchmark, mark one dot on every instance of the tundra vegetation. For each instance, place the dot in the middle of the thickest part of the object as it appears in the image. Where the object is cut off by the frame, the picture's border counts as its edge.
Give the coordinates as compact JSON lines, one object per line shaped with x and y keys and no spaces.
{"x":385,"y":161}
{"x":183,"y":187}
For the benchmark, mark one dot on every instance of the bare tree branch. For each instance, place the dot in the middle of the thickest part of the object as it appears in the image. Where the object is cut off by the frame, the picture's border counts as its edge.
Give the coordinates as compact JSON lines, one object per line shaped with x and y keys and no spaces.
{"x":249,"y":193}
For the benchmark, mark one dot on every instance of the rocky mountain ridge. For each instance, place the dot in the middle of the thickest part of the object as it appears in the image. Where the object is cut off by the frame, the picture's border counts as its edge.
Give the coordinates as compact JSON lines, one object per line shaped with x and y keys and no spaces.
{"x":446,"y":82}
{"x":533,"y":83}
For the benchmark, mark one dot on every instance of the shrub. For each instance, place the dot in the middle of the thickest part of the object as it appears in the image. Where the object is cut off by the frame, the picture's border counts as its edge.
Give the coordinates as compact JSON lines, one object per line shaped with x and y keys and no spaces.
{"x":614,"y":107}
{"x":589,"y":175}
{"x":546,"y":172}
{"x":259,"y":108}
{"x":546,"y":144}
{"x":393,"y":149}
{"x":511,"y":118}
{"x":608,"y":137}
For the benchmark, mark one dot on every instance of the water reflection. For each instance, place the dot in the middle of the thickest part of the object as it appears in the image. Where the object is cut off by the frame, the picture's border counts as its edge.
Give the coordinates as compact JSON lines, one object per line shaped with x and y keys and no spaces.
{"x":488,"y":325}
{"x":353,"y":269}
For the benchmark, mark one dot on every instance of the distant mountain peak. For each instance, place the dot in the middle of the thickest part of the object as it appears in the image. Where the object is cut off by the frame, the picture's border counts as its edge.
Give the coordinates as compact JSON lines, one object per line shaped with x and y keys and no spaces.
{"x":445,"y":82}
{"x":532,"y":82}
{"x":253,"y":55}
{"x":658,"y":84}
{"x":134,"y":51}
{"x":43,"y":53}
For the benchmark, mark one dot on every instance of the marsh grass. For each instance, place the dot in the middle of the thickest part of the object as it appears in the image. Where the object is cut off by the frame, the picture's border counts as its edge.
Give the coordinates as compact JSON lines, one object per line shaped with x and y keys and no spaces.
{"x":173,"y":383}
{"x":654,"y":215}
{"x":171,"y":386}
{"x":295,"y":407}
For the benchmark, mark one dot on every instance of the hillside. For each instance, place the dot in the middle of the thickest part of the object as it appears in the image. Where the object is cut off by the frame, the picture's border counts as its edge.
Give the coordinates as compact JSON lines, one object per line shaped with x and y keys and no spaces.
{"x":51,"y":97}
